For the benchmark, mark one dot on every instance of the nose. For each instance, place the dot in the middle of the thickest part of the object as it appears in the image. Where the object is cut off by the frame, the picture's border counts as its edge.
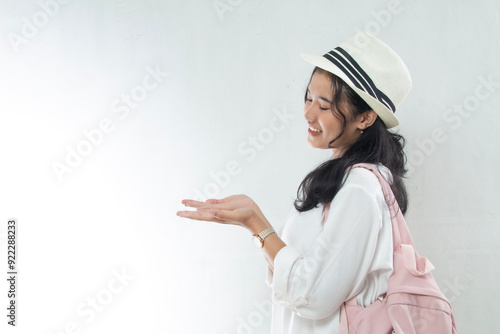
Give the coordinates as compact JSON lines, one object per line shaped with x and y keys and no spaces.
{"x":310,"y":111}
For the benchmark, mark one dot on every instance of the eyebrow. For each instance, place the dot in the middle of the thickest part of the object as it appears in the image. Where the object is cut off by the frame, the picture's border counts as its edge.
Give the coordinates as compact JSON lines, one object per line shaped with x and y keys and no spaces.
{"x":321,"y":97}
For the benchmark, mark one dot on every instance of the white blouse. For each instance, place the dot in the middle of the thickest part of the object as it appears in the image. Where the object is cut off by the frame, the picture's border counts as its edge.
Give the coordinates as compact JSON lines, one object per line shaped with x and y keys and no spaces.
{"x":322,"y":265}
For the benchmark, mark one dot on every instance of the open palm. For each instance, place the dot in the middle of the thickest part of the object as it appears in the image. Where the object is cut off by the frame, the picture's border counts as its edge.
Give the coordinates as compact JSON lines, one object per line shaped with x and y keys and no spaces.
{"x":235,"y":209}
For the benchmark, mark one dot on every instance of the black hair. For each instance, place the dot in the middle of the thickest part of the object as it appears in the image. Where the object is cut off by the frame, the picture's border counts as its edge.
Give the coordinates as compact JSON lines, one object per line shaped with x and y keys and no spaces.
{"x":377,"y":145}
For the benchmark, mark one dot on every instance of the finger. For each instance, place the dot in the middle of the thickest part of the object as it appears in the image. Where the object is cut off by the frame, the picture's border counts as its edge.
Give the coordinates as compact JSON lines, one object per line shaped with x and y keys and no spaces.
{"x":203,"y":205}
{"x":196,"y":204}
{"x":206,"y":206}
{"x":225,"y":199}
{"x":211,"y":201}
{"x":191,"y":202}
{"x":198,"y":215}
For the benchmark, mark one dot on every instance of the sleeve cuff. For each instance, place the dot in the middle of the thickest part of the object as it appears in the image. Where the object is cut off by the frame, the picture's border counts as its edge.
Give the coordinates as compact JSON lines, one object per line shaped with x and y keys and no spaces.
{"x":283,"y":263}
{"x":269,"y":277}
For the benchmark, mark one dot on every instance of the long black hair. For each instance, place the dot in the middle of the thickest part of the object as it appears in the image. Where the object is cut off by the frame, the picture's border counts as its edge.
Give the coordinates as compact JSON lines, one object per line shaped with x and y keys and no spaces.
{"x":376,"y":145}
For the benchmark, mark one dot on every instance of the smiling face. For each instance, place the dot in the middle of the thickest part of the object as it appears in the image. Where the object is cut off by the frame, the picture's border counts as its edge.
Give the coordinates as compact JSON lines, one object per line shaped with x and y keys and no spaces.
{"x":324,"y":121}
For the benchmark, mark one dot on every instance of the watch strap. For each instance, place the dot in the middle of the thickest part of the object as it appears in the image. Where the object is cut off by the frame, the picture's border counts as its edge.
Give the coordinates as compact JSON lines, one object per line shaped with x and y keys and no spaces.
{"x":265,"y":233}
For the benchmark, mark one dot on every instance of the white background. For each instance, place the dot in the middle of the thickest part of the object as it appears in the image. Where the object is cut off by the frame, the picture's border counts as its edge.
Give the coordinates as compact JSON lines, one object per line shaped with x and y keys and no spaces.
{"x":232,"y":67}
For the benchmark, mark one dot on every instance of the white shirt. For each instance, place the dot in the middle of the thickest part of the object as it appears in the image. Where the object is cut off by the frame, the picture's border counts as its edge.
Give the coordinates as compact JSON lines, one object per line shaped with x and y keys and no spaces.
{"x":323,"y":265}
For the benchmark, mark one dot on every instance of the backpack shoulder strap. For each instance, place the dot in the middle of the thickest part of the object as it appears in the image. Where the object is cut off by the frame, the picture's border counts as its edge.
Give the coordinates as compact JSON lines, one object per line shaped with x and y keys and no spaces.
{"x":400,"y":232}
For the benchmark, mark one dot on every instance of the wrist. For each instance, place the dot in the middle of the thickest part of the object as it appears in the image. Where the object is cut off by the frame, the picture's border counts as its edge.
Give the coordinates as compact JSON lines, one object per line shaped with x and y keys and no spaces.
{"x":257,"y":225}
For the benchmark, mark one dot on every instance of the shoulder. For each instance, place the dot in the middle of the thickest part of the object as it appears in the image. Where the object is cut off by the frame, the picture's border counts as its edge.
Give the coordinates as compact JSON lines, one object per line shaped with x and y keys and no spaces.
{"x":361,"y":195}
{"x":366,"y":178}
{"x":364,"y":185}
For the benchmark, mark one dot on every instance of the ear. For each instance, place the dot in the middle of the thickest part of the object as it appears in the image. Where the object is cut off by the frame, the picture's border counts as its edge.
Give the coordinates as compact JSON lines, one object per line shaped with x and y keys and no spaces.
{"x":366,"y":119}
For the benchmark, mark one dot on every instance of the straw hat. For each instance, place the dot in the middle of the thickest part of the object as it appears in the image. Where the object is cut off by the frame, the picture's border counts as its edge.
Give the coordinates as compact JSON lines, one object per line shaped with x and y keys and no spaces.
{"x":372,"y":69}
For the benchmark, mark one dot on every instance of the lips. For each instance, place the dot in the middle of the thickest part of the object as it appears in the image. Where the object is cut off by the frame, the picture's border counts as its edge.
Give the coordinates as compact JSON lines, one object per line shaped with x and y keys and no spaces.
{"x":314,"y":133}
{"x":314,"y":129}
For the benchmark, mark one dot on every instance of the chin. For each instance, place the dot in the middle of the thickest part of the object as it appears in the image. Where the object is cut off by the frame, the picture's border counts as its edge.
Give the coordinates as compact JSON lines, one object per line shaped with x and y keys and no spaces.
{"x":316,"y":146}
{"x":313,"y":145}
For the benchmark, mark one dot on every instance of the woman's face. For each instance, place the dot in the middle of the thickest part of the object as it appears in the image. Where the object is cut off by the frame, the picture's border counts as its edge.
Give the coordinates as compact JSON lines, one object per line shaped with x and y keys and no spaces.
{"x":319,"y":115}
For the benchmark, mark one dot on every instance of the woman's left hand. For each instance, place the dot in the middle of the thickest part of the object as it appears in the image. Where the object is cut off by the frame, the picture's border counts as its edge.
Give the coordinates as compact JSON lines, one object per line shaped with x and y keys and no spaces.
{"x":236,"y":210}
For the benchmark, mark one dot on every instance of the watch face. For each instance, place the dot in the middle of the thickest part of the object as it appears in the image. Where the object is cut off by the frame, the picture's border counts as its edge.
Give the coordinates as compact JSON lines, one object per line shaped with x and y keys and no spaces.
{"x":257,"y":242}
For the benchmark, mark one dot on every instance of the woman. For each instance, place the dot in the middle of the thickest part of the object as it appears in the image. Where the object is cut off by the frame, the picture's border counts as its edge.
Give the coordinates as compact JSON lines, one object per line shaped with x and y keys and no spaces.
{"x":337,"y":242}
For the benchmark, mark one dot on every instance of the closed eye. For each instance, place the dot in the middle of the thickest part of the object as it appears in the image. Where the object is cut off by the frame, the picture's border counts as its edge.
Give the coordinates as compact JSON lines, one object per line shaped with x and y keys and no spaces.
{"x":307,"y":97}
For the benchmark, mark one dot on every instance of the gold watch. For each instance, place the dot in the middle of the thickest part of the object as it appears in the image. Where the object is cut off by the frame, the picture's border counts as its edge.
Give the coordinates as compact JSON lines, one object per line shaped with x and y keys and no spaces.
{"x":258,"y":239}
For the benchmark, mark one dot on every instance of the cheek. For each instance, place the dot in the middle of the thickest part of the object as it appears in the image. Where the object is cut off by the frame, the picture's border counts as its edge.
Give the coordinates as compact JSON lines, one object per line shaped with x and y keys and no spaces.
{"x":328,"y":123}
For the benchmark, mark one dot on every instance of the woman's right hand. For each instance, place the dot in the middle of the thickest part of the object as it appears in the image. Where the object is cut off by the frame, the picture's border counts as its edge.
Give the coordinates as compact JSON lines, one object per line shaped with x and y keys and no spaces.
{"x":238,"y":201}
{"x":234,"y":209}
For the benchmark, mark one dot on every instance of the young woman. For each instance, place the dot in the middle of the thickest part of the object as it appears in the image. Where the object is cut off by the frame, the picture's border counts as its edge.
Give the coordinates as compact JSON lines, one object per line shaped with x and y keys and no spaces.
{"x":337,"y":242}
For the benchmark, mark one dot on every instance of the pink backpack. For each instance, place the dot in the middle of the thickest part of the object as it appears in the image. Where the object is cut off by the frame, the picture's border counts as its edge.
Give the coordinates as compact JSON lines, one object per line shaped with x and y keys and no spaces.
{"x":413,"y":303}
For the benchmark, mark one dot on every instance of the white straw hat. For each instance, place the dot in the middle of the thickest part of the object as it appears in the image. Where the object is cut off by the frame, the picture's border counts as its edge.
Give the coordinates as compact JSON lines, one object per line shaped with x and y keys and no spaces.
{"x":372,"y":69}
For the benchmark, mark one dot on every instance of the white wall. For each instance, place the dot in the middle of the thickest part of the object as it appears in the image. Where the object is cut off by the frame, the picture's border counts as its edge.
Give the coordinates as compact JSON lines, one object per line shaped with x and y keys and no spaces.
{"x":222,"y":75}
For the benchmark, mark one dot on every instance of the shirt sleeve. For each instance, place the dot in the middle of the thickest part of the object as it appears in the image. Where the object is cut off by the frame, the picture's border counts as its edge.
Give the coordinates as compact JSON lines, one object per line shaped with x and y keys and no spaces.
{"x":315,"y":284}
{"x":269,"y":272}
